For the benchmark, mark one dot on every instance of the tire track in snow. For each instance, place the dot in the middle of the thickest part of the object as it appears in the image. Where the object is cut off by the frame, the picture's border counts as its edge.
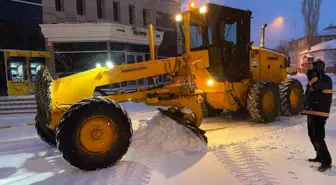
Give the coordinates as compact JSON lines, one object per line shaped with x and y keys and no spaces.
{"x":137,"y":165}
{"x":138,"y":172}
{"x":245,"y":165}
{"x":269,"y":134}
{"x":246,"y":158}
{"x":226,"y":126}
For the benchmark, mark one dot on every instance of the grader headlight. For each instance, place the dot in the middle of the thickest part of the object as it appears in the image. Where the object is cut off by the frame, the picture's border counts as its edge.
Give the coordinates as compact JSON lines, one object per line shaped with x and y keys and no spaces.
{"x":192,"y":5}
{"x":109,"y":64}
{"x":203,"y":9}
{"x":210,"y":82}
{"x":178,"y":18}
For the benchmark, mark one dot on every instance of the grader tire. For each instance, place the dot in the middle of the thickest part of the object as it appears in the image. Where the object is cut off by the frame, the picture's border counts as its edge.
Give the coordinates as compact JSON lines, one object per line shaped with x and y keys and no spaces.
{"x":94,"y":133}
{"x":291,"y":97}
{"x":208,"y":111}
{"x":263,"y":101}
{"x":47,"y":135}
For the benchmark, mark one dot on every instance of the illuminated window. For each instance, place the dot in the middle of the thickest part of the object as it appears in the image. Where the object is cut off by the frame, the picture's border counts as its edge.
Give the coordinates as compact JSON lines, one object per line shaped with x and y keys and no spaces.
{"x":34,"y":68}
{"x":17,"y":71}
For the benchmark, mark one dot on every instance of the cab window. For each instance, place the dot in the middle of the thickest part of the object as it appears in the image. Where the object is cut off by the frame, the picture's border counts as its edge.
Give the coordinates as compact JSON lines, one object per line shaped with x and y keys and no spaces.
{"x":17,"y":70}
{"x":230,"y":32}
{"x":34,"y":68}
{"x":200,"y":37}
{"x":196,"y":36}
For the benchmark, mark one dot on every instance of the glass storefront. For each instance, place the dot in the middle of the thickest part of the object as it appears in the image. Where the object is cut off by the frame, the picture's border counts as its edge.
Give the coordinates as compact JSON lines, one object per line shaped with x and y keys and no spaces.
{"x":71,"y":58}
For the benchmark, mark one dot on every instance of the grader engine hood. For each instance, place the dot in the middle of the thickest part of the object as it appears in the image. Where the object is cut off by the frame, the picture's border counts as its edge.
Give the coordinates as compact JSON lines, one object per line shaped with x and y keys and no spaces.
{"x":54,"y":96}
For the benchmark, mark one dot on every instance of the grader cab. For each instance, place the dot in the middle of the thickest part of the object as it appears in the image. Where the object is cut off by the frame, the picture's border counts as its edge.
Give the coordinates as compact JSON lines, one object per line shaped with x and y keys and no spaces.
{"x":218,"y":70}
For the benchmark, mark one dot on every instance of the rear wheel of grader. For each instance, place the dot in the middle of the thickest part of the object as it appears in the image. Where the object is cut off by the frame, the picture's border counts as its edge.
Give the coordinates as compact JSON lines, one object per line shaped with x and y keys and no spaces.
{"x":291,"y":97}
{"x":263,"y":101}
{"x":94,"y":133}
{"x":47,"y":135}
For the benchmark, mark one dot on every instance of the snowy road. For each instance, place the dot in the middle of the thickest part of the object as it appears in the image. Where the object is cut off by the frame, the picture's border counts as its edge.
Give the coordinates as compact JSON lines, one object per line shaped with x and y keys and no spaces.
{"x":239,"y":152}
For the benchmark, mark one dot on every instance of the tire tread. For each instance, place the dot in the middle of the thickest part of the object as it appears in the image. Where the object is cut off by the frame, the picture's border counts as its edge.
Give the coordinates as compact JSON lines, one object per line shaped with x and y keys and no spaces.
{"x":74,"y":111}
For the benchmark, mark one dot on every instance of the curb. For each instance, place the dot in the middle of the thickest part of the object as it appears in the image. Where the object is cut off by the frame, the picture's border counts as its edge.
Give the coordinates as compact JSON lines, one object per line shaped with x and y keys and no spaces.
{"x":13,"y":126}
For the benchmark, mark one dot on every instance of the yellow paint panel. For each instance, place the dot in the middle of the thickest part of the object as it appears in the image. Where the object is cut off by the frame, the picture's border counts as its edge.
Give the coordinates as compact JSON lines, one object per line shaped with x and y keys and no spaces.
{"x":17,"y":89}
{"x":40,"y":54}
{"x":225,"y":100}
{"x":267,"y":65}
{"x":18,"y":53}
{"x":32,"y":87}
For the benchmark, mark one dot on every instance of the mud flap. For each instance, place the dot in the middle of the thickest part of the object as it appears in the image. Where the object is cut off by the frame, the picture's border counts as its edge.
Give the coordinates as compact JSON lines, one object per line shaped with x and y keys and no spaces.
{"x":178,"y":117}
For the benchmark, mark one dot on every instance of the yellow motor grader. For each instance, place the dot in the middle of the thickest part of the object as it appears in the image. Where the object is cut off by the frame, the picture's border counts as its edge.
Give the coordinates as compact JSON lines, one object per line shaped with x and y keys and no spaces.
{"x":218,"y":70}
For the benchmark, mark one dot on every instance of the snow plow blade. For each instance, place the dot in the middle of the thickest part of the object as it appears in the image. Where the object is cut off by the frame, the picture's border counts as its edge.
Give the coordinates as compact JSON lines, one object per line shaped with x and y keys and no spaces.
{"x":179,"y":118}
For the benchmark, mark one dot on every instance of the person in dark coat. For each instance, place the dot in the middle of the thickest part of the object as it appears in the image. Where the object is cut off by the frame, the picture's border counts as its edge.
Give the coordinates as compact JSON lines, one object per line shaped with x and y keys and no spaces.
{"x":317,"y":108}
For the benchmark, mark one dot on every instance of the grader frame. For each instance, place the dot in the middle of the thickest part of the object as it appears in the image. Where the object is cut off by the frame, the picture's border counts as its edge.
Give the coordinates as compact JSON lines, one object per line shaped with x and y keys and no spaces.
{"x":218,"y":73}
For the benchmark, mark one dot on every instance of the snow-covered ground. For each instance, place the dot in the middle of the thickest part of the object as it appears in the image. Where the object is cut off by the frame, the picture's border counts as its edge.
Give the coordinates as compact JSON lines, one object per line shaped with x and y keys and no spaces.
{"x":238,"y":152}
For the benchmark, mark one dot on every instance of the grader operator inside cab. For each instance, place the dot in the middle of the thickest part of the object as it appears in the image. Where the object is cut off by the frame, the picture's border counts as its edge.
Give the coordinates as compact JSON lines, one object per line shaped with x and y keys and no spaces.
{"x":219,"y":69}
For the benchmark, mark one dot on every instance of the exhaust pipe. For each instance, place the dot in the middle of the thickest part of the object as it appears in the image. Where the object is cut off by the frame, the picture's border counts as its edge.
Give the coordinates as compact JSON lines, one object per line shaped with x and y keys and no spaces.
{"x":262,"y":43}
{"x":151,"y":41}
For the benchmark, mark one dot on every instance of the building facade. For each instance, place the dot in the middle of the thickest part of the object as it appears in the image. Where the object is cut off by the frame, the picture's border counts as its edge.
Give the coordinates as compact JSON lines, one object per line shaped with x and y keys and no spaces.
{"x":135,"y":13}
{"x":325,"y":51}
{"x":19,"y":25}
{"x":83,"y":33}
{"x":302,"y":45}
{"x":19,"y":30}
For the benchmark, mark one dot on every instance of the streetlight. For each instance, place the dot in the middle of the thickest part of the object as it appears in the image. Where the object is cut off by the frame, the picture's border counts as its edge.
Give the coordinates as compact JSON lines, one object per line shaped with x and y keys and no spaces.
{"x":281,"y":20}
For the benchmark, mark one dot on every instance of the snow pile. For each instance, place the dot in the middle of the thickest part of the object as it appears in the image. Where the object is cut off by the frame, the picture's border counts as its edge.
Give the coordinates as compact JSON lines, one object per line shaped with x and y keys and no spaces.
{"x":165,"y":135}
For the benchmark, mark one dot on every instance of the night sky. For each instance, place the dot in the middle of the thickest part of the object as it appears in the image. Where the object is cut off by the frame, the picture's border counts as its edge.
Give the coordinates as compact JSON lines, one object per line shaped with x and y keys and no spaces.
{"x":266,"y":11}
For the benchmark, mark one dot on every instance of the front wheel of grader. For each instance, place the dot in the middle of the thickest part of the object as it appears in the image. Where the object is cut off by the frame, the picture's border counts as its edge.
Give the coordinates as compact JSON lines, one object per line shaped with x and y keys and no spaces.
{"x":46,"y":135}
{"x":94,"y":133}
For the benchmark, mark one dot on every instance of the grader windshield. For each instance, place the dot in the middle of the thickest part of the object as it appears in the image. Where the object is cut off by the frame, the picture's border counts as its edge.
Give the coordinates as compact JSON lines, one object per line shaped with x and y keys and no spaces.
{"x":193,"y":27}
{"x":224,"y":32}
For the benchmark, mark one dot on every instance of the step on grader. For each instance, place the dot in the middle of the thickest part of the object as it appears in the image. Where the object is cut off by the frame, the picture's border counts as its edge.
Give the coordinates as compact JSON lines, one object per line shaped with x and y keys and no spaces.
{"x":218,"y":70}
